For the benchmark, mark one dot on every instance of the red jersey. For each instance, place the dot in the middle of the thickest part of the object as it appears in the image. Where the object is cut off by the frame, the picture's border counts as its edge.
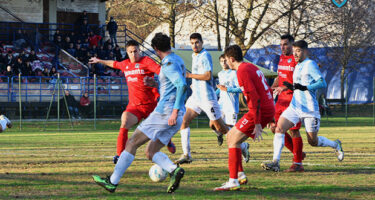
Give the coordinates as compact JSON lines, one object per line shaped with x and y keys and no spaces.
{"x":139,"y":94}
{"x":255,"y":89}
{"x":285,"y":72}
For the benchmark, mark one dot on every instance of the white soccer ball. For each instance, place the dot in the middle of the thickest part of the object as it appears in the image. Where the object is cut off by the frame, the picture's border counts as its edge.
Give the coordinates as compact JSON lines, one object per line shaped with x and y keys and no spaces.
{"x":157,"y":174}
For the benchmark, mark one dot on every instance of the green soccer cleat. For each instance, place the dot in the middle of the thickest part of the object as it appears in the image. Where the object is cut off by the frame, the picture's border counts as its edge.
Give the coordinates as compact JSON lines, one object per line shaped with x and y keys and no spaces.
{"x":274,"y":166}
{"x":339,"y":151}
{"x":105,"y":183}
{"x":176,"y":177}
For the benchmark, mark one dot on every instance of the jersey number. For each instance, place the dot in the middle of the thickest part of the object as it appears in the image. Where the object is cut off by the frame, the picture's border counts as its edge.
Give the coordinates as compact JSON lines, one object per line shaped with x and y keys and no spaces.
{"x":260,"y":74}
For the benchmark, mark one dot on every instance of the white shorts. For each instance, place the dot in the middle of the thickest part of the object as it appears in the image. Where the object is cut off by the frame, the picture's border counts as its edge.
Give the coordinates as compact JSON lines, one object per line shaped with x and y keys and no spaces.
{"x":311,"y":123}
{"x":211,"y":108}
{"x":156,"y":127}
{"x":229,"y":118}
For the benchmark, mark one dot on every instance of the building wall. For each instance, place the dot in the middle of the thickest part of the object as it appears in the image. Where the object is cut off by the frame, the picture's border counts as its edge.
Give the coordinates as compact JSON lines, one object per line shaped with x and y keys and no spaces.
{"x":27,"y":10}
{"x":91,"y":6}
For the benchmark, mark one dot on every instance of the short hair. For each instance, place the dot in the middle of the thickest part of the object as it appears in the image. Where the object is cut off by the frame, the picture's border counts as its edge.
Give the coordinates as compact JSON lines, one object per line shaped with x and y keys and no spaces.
{"x":131,"y":43}
{"x":235,"y":52}
{"x":287,"y":37}
{"x":222,"y":56}
{"x":196,"y":36}
{"x":301,"y":44}
{"x":161,"y":42}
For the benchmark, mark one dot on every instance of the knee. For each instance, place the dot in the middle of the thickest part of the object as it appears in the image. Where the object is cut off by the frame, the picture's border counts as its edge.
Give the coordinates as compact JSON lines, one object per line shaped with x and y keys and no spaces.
{"x":279,"y":130}
{"x":312,"y":142}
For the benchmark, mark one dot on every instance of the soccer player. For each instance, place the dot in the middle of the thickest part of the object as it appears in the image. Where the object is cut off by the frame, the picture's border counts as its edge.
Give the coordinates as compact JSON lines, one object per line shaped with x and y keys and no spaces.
{"x":161,"y":124}
{"x":261,"y":111}
{"x":203,"y":97}
{"x":229,"y":90}
{"x":285,"y":70}
{"x":303,"y":107}
{"x":142,"y":98}
{"x":4,"y":123}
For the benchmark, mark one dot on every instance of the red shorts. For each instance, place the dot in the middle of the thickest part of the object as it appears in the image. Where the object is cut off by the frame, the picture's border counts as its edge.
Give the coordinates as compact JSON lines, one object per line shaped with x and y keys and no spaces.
{"x":247,"y":123}
{"x":279,"y":110}
{"x":140,"y":111}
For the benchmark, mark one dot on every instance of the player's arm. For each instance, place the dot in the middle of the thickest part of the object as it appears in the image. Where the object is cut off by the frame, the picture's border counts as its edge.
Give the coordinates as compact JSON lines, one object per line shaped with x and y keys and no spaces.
{"x":251,"y":95}
{"x":203,"y":77}
{"x":94,"y":60}
{"x":275,"y":83}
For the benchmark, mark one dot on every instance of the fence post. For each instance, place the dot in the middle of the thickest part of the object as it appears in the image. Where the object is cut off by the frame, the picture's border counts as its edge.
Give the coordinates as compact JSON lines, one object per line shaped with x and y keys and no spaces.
{"x":20,"y":99}
{"x":94,"y":101}
{"x":373,"y":101}
{"x":346,"y":101}
{"x":58,"y":101}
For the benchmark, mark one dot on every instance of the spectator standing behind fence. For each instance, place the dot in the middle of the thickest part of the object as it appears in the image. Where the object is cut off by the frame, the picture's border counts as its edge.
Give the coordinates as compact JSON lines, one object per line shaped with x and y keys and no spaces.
{"x":19,"y":40}
{"x":112,"y":30}
{"x":71,"y":104}
{"x":85,"y":104}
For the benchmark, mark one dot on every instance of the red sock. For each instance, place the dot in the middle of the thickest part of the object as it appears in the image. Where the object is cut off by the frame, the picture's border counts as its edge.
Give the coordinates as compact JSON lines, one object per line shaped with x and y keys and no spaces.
{"x":288,"y":142}
{"x":233,"y":162}
{"x":239,"y":155}
{"x":297,"y":151}
{"x":121,"y":140}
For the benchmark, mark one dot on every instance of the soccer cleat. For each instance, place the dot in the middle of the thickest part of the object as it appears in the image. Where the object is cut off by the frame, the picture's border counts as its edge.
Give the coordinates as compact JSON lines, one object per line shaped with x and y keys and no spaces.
{"x":9,"y":123}
{"x":105,"y":183}
{"x":245,"y":152}
{"x":184,"y":159}
{"x":229,"y":186}
{"x":220,"y":139}
{"x":339,"y":150}
{"x":115,"y":159}
{"x":295,"y":168}
{"x":171,"y":147}
{"x":242,"y":179}
{"x":176,"y":177}
{"x":274,"y":166}
{"x":303,"y":155}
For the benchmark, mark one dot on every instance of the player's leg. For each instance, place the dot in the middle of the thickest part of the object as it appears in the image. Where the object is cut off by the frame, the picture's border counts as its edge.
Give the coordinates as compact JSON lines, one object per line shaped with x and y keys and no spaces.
{"x":213,"y":112}
{"x":128,"y":120}
{"x":220,"y":129}
{"x":185,"y":135}
{"x":288,"y":139}
{"x":297,"y":151}
{"x":4,"y":123}
{"x":125,"y":160}
{"x":312,"y":127}
{"x":234,"y":139}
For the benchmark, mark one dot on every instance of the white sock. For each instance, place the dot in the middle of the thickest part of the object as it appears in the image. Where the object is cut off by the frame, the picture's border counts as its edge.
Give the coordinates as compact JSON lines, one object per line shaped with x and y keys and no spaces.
{"x":185,"y":141}
{"x":163,"y":161}
{"x":324,"y":142}
{"x":123,"y":163}
{"x":278,"y":144}
{"x":233,"y":180}
{"x":3,"y":124}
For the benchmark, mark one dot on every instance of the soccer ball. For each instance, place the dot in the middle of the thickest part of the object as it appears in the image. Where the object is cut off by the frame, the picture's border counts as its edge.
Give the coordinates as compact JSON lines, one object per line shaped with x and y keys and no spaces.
{"x":157,"y":174}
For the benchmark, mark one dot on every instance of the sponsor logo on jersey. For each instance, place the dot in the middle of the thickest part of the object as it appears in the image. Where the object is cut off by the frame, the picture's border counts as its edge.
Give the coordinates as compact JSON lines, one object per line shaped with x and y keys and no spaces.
{"x":289,"y":60}
{"x":137,"y":65}
{"x":244,"y":122}
{"x":130,"y":79}
{"x":127,"y":67}
{"x":287,"y":68}
{"x":135,"y":72}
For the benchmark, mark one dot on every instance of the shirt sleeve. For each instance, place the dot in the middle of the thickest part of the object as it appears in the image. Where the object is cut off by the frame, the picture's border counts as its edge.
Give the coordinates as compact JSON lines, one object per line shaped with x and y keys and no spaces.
{"x":207,"y":63}
{"x":119,"y":65}
{"x":174,"y":73}
{"x":314,"y":71}
{"x":152,"y":65}
{"x":246,"y":83}
{"x":236,"y":88}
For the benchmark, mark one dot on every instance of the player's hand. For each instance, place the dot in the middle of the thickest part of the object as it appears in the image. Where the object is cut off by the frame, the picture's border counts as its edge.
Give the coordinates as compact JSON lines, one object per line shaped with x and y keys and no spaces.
{"x":258,"y":132}
{"x":173,"y":118}
{"x":188,"y":74}
{"x":288,"y":85}
{"x":278,"y":90}
{"x":271,"y":126}
{"x":93,"y":60}
{"x":222,"y":87}
{"x":298,"y":86}
{"x":149,"y":81}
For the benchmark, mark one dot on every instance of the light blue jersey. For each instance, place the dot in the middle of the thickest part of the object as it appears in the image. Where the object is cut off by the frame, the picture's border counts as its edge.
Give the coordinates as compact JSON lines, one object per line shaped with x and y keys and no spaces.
{"x":306,"y":73}
{"x":171,"y":80}
{"x":229,"y":100}
{"x":202,"y":90}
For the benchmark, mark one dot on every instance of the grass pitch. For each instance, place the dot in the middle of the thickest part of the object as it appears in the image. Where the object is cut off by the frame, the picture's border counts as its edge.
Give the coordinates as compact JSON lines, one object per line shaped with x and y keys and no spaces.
{"x":59,"y":165}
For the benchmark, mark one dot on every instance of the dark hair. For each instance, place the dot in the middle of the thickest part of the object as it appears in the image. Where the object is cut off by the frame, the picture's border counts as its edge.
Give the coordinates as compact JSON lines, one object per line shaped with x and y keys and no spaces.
{"x":161,"y":42}
{"x":196,"y":36}
{"x":288,"y":37}
{"x":235,"y":52}
{"x":131,"y":43}
{"x":222,"y":56}
{"x":301,"y":44}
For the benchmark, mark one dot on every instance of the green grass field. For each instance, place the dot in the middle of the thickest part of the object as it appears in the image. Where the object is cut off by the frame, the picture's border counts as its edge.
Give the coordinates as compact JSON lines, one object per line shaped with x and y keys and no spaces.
{"x":59,"y":165}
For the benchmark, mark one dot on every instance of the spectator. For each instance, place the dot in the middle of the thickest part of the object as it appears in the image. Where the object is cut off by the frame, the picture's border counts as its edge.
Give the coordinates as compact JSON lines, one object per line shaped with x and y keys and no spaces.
{"x":73,"y":37}
{"x":2,"y":63}
{"x":28,"y":70}
{"x":45,"y":72}
{"x":85,"y":44}
{"x":79,"y":52}
{"x":94,"y":39}
{"x":85,"y":104}
{"x":19,"y":66}
{"x":59,"y":42}
{"x":32,"y":56}
{"x":57,"y":33}
{"x":85,"y":28}
{"x":102,"y":54}
{"x":66,"y":43}
{"x":38,"y":39}
{"x":23,"y":55}
{"x":108,"y":44}
{"x":93,"y":50}
{"x":71,"y":50}
{"x":53,"y":72}
{"x":117,"y":52}
{"x":71,"y":104}
{"x":9,"y":59}
{"x":19,"y":40}
{"x":112,"y":30}
{"x":9,"y":73}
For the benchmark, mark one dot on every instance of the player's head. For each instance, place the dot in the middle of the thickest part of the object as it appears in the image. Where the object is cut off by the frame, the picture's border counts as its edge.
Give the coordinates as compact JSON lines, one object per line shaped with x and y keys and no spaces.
{"x":161,"y":43}
{"x":196,"y":42}
{"x":132,"y":49}
{"x":286,"y":44}
{"x":233,"y":54}
{"x":223,"y":63}
{"x":300,"y":50}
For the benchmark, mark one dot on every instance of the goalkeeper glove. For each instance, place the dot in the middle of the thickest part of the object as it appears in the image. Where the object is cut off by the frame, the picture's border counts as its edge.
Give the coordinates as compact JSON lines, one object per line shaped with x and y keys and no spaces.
{"x":288,"y":85}
{"x":298,"y":86}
